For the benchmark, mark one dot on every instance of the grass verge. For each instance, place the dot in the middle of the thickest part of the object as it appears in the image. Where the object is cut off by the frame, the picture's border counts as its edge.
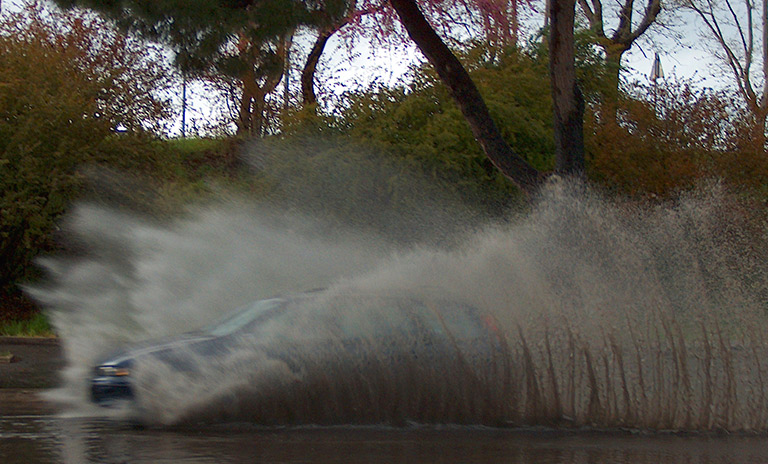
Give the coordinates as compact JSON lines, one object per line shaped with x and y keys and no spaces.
{"x":35,"y":326}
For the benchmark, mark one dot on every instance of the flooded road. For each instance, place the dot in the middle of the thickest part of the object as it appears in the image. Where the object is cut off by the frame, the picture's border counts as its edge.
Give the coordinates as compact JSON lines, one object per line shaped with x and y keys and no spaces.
{"x":599,"y":311}
{"x":47,"y":439}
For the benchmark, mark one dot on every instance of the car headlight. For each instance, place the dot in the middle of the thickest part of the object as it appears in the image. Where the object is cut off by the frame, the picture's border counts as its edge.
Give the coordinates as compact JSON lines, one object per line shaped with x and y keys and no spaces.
{"x":112,"y":371}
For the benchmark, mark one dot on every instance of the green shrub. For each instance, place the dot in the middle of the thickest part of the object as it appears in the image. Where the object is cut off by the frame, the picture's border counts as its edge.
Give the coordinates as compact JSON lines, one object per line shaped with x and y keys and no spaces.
{"x":35,"y":326}
{"x":67,"y":82}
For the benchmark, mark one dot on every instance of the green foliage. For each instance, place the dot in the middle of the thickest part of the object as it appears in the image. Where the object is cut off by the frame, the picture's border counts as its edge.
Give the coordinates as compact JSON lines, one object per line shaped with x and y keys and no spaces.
{"x":60,"y":100}
{"x":212,"y":34}
{"x":239,"y":44}
{"x":35,"y":326}
{"x":592,"y":72}
{"x":420,"y":124}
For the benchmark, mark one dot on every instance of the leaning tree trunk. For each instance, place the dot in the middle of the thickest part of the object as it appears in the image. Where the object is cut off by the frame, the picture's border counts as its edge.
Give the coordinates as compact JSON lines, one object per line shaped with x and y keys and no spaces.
{"x":467,"y":97}
{"x":308,"y":95}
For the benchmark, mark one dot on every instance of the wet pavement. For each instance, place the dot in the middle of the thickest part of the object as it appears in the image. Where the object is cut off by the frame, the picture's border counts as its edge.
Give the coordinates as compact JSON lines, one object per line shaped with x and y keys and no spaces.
{"x":40,"y":437}
{"x":29,"y":362}
{"x":23,"y":402}
{"x":32,"y":432}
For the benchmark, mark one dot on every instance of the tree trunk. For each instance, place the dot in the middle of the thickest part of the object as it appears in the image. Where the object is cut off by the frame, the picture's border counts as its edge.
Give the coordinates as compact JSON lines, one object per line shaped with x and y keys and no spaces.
{"x":244,"y":112}
{"x":252,"y":118}
{"x":764,"y":96}
{"x":613,"y":54}
{"x":566,"y":97}
{"x":467,"y":97}
{"x":622,"y":38}
{"x":257,"y":115}
{"x":758,"y":132}
{"x":308,"y":73}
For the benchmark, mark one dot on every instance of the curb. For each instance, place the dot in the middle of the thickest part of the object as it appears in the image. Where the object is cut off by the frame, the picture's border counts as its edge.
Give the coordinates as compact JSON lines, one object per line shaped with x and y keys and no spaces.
{"x":29,"y":341}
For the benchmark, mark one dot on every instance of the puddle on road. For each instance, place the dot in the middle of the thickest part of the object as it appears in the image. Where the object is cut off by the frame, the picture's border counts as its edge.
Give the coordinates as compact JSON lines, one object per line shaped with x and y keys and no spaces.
{"x":49,"y":439}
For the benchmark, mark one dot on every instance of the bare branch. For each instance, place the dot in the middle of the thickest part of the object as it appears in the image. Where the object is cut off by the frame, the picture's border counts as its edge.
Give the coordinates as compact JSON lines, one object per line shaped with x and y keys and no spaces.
{"x":624,"y":30}
{"x":652,"y":10}
{"x":746,"y":43}
{"x":623,"y":37}
{"x":594,"y":15}
{"x":710,"y":20}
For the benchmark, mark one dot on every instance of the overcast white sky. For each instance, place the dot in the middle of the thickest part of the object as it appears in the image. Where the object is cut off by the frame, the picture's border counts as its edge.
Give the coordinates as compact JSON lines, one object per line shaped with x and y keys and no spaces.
{"x":686,"y":56}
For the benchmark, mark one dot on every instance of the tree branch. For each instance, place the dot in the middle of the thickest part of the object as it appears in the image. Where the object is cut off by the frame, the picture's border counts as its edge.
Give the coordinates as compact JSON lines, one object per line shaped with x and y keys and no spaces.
{"x":652,"y":10}
{"x":594,"y":15}
{"x":308,"y":95}
{"x":710,"y":20}
{"x":624,"y":29}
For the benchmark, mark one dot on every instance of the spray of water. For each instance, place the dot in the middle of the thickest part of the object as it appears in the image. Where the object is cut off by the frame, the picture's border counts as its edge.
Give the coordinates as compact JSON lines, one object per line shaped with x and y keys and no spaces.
{"x":605,"y":314}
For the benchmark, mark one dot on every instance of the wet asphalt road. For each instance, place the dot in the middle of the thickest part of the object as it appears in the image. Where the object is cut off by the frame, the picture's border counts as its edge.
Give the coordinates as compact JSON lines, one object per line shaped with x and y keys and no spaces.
{"x":36,"y":362}
{"x":46,"y":439}
{"x":31,"y":431}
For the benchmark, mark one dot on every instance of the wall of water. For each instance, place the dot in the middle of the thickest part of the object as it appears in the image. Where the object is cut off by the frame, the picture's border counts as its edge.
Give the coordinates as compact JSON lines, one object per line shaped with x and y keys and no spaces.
{"x":605,"y":312}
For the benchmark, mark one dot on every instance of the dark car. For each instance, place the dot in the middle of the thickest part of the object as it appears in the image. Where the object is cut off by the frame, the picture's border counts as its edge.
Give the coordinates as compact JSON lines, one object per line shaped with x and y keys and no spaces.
{"x":271,"y":340}
{"x":112,"y":379}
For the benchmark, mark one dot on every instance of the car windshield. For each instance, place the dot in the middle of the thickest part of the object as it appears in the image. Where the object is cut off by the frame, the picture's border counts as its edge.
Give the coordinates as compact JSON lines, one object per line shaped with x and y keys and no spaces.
{"x":258,"y":311}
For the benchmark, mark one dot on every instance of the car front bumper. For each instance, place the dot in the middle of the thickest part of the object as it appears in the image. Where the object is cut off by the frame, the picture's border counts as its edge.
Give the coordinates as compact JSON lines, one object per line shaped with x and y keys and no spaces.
{"x":107,"y":391}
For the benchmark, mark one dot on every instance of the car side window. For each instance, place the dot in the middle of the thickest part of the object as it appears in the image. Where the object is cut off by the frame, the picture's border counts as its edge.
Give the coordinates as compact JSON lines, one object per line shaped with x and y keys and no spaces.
{"x":254,"y":313}
{"x":411,"y":317}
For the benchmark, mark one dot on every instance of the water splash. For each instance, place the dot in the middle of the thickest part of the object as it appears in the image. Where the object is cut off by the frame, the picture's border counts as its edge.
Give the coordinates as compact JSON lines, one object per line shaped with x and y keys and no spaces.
{"x":609,"y":314}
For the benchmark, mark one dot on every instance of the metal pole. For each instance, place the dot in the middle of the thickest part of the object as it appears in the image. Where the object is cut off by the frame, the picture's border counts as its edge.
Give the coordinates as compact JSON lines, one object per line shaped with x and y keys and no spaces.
{"x":183,"y":106}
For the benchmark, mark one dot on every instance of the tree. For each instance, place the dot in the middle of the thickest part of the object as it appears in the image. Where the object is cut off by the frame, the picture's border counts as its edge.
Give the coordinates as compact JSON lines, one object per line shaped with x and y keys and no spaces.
{"x":260,"y":68}
{"x":624,"y":36}
{"x":671,"y":135}
{"x":733,"y":27}
{"x":67,"y":81}
{"x":308,"y":95}
{"x":569,"y":108}
{"x":567,"y":99}
{"x":293,"y":13}
{"x":420,"y":123}
{"x":225,"y":36}
{"x":326,"y":27}
{"x":497,"y":21}
{"x":467,"y":97}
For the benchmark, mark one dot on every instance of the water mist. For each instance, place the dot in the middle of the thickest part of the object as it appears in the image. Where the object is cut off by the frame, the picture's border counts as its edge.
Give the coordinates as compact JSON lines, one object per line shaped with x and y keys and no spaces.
{"x":607,"y":313}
